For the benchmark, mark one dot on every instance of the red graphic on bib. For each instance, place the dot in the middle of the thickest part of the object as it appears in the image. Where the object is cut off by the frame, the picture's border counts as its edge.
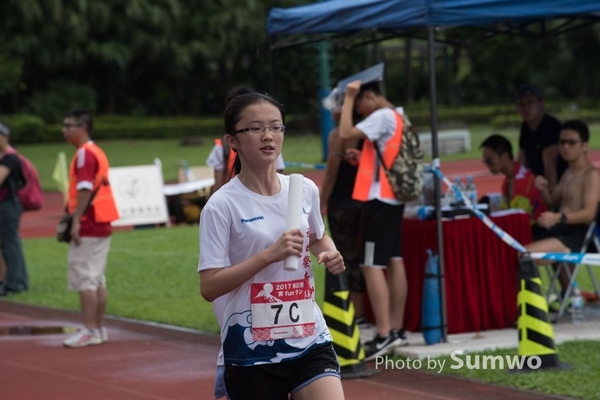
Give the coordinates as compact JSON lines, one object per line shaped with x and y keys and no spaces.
{"x":282,"y":310}
{"x":306,"y":261}
{"x":265,"y":294}
{"x":309,"y":292}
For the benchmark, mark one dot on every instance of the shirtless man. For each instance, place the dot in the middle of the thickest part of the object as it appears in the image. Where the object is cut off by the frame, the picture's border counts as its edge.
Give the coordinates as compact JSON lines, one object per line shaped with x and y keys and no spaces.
{"x":576,"y":196}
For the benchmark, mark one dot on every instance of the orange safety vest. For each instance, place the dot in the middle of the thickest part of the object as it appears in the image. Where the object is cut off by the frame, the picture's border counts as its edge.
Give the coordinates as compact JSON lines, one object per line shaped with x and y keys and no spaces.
{"x":230,"y":162}
{"x":365,"y":173}
{"x":105,"y":209}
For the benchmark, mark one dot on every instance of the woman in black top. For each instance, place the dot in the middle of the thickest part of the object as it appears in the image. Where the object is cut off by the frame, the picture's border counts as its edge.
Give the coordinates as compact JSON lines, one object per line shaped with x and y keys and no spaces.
{"x":11,"y":178}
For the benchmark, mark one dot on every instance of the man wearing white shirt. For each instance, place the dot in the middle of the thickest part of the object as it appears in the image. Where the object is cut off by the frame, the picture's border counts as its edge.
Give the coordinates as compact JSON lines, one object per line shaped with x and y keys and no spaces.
{"x":381,"y":221}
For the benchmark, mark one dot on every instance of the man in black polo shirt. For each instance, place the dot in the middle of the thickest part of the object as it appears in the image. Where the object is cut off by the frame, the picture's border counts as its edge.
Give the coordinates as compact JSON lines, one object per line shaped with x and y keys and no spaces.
{"x":538,"y":148}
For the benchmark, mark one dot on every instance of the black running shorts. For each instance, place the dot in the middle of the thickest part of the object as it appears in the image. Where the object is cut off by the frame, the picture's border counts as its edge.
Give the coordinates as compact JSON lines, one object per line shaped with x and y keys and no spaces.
{"x":381,"y":233}
{"x":277,"y":381}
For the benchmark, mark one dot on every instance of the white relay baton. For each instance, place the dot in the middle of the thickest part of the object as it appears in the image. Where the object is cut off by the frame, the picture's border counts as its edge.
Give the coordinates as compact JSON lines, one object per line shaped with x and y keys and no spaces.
{"x":293,"y":215}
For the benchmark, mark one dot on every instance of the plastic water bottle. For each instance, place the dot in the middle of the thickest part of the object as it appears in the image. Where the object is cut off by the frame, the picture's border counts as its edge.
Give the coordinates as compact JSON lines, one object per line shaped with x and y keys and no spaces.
{"x":459,"y":185}
{"x":576,"y":304}
{"x":424,"y":212}
{"x":471,"y":190}
{"x":187,"y":172}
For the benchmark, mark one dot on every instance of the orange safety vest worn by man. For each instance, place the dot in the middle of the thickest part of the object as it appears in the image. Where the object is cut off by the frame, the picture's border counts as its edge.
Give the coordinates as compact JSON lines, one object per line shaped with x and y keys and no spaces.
{"x":382,"y":213}
{"x":102,"y":211}
{"x":368,"y":160}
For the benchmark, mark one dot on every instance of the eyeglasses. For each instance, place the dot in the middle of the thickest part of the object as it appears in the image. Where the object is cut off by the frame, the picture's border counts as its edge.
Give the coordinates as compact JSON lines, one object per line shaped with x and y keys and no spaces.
{"x":257,"y":130}
{"x":570,"y":142}
{"x":67,"y":126}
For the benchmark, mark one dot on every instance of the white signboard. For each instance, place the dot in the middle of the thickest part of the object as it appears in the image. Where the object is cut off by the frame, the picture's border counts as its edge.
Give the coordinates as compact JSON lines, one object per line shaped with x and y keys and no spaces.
{"x":138,"y":192}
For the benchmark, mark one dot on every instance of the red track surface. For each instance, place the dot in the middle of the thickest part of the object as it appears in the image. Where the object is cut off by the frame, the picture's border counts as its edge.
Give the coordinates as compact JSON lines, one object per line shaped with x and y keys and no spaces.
{"x":142,"y":361}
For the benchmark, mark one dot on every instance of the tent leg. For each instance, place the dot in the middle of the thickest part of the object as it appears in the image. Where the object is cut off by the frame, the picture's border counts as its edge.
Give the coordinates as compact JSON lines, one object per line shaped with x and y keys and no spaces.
{"x":437,"y":183}
{"x":271,"y":67}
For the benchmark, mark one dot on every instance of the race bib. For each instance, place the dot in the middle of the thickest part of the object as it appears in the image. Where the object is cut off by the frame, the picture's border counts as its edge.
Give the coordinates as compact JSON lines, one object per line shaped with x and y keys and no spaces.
{"x":282,"y":310}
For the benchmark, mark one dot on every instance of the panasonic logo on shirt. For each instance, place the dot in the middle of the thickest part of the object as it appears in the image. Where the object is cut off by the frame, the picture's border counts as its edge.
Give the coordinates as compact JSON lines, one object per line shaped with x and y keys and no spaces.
{"x":252,"y":219}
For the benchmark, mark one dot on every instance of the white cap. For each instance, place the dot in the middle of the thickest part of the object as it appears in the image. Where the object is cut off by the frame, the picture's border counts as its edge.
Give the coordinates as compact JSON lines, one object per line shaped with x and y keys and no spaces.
{"x":369,"y":75}
{"x":334,"y":100}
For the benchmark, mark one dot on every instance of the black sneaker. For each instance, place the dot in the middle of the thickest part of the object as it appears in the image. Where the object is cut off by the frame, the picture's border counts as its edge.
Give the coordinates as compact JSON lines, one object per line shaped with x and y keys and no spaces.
{"x":380,"y":346}
{"x":402,"y":335}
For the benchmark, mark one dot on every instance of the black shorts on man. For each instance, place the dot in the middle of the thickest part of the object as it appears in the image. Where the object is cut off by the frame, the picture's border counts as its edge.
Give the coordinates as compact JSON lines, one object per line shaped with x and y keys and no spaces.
{"x":571,"y":235}
{"x":381,"y":233}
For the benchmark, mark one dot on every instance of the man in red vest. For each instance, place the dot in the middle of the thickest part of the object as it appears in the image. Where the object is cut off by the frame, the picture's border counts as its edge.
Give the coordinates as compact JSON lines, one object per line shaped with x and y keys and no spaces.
{"x":381,"y":219}
{"x":91,"y":227}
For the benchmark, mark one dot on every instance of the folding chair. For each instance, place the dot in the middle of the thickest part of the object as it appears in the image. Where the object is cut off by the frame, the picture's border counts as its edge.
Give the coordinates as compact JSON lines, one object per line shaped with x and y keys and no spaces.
{"x":590,"y":242}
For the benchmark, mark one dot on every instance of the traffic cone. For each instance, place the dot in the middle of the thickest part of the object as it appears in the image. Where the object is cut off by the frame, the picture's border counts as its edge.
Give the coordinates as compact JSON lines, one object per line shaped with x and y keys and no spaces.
{"x":338,"y":311}
{"x":536,"y":336}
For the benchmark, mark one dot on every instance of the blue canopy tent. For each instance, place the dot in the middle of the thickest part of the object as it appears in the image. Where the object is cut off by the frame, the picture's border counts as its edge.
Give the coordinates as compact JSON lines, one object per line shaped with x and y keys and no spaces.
{"x":336,"y":16}
{"x":366,"y":21}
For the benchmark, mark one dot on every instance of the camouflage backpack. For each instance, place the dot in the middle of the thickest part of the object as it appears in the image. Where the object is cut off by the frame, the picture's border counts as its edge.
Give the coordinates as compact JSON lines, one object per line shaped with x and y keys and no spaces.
{"x":406,"y":174}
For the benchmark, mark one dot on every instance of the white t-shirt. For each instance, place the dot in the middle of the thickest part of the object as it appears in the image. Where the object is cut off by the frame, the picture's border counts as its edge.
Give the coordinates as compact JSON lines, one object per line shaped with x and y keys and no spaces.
{"x":379,"y":128}
{"x":237,"y":223}
{"x":216,"y":160}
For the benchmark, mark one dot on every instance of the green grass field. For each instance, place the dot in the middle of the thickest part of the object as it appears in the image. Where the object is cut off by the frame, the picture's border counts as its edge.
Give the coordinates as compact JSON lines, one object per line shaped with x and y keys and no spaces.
{"x":578,"y":380}
{"x":151,"y":275}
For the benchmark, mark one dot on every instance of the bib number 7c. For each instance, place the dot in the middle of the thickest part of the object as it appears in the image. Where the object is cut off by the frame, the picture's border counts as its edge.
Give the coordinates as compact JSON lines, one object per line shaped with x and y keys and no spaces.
{"x":281,"y":310}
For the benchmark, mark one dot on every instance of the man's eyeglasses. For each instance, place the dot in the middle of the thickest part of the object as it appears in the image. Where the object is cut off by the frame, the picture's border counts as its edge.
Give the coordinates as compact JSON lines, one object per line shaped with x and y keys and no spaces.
{"x":67,"y":126}
{"x":257,"y":130}
{"x":570,"y":142}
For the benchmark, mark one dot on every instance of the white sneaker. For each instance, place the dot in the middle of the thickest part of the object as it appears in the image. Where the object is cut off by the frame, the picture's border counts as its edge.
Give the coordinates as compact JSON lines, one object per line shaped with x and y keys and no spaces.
{"x":83,"y":338}
{"x":104,"y":334}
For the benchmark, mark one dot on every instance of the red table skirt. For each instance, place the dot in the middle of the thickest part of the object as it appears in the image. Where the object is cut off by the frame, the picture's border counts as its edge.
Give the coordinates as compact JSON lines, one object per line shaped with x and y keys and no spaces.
{"x":480,"y":271}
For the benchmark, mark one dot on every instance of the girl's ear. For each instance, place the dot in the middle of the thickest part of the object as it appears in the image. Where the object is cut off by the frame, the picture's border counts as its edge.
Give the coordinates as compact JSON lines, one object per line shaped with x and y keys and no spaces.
{"x":231,"y":142}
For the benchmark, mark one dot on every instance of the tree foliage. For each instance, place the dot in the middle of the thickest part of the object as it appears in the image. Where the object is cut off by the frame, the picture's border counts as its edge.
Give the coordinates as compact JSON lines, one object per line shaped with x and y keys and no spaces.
{"x":175,"y":57}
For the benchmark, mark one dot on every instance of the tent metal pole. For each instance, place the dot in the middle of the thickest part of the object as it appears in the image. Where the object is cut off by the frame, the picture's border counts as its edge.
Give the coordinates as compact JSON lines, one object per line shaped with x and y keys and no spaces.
{"x":271,"y":67}
{"x":437,"y":183}
{"x":325,"y":117}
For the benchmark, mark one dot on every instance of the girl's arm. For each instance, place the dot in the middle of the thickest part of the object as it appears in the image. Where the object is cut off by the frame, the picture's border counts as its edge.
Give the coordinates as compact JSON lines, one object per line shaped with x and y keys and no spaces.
{"x":327,"y":253}
{"x":216,"y":282}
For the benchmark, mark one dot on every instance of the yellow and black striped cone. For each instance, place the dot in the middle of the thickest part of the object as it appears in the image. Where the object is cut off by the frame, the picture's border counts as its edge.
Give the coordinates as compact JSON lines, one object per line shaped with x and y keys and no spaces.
{"x":536,"y":335}
{"x":338,"y":311}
